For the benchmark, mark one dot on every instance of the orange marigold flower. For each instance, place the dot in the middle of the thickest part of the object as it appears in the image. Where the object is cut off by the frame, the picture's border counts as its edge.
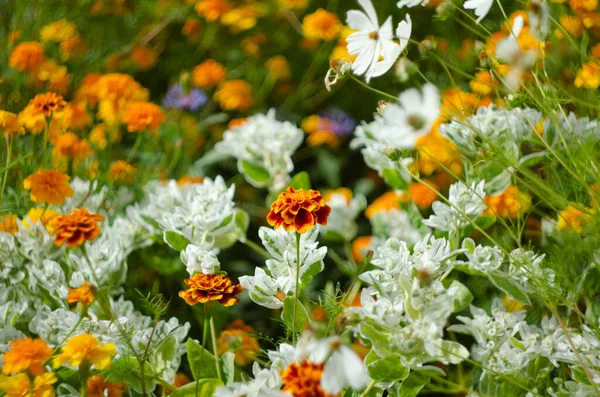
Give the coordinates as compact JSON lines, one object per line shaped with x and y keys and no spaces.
{"x":583,"y":5}
{"x":47,"y":103}
{"x":321,"y":25}
{"x":118,"y":87}
{"x":100,"y":387}
{"x":298,"y":210}
{"x":9,"y":124}
{"x":385,"y":203}
{"x":212,"y":10}
{"x":511,"y":204}
{"x":204,"y":288}
{"x":235,"y":95}
{"x":208,"y":74}
{"x":84,"y":294}
{"x":48,"y":186}
{"x":85,"y":349}
{"x":27,"y":56}
{"x":143,"y":58}
{"x":191,"y":28}
{"x":180,"y":380}
{"x":238,"y":338}
{"x":8,"y":224}
{"x":588,"y":76}
{"x":360,"y":246}
{"x":76,"y":227}
{"x":279,"y":67}
{"x":572,"y":219}
{"x":26,"y":355}
{"x":303,"y":380}
{"x":423,"y":194}
{"x":69,"y":146}
{"x":20,"y":385}
{"x":436,"y":153}
{"x":121,"y":171}
{"x":142,"y":116}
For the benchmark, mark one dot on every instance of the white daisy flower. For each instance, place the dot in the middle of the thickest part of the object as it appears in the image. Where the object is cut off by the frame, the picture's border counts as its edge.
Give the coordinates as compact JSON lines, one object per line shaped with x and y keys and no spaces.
{"x":481,"y":7}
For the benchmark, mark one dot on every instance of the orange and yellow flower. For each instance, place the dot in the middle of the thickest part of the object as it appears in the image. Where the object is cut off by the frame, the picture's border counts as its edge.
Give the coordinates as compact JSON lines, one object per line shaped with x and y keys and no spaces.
{"x":588,"y":76}
{"x":321,"y":25}
{"x":385,"y":203}
{"x":20,"y":385}
{"x":47,"y":103}
{"x":45,"y":215}
{"x":235,"y":95}
{"x":26,"y":355}
{"x":84,"y":294}
{"x":212,"y":10}
{"x":143,"y":116}
{"x":572,"y":219}
{"x":48,"y":186}
{"x":511,"y":204}
{"x":84,"y":350}
{"x":298,"y":210}
{"x":121,"y":171}
{"x":27,"y":56}
{"x":8,"y":224}
{"x":203,"y":288}
{"x":238,"y":338}
{"x":423,"y":194}
{"x":303,"y":380}
{"x":76,"y":227}
{"x":360,"y":246}
{"x":9,"y":124}
{"x":97,"y":386}
{"x":208,"y":74}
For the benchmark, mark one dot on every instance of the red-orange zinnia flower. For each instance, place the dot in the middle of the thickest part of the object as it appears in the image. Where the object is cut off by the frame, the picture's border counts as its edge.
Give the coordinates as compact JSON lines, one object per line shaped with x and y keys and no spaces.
{"x":76,"y":227}
{"x":204,"y":288}
{"x":298,"y":210}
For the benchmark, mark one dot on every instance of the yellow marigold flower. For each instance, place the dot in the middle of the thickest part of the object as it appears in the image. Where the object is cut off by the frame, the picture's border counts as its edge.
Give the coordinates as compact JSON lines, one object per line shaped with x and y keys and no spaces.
{"x":423,"y":194}
{"x":121,"y":171}
{"x":212,"y":10}
{"x":360,"y":246}
{"x":98,"y":136}
{"x":321,"y":25}
{"x":292,"y":4}
{"x":572,"y":219}
{"x":436,"y":153}
{"x":385,"y":203}
{"x":279,"y":67}
{"x":458,"y":103}
{"x":298,"y":210}
{"x":588,"y":76}
{"x":143,"y":58}
{"x":53,"y":74}
{"x":319,"y":138}
{"x":118,"y":87}
{"x":48,"y":186}
{"x":20,"y":385}
{"x":47,"y":103}
{"x":512,"y":305}
{"x":235,"y":95}
{"x":572,"y":25}
{"x":208,"y":74}
{"x":79,"y":118}
{"x":45,"y":215}
{"x":99,"y":387}
{"x":243,"y":18}
{"x":203,"y":288}
{"x":303,"y":380}
{"x":76,"y":227}
{"x":9,"y":124}
{"x":58,"y":31}
{"x":69,"y":147}
{"x":511,"y":204}
{"x":85,"y":350}
{"x":189,"y":180}
{"x":84,"y":294}
{"x":8,"y":224}
{"x":26,"y":355}
{"x":238,"y":338}
{"x":31,"y":120}
{"x":143,"y":116}
{"x":27,"y":56}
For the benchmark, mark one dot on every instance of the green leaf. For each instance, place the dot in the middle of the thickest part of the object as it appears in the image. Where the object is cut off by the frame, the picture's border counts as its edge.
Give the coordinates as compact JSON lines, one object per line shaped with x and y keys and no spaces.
{"x":127,"y":370}
{"x":300,"y":181}
{"x":461,"y":296}
{"x":388,"y":369}
{"x":533,"y":159}
{"x":255,"y":174}
{"x":176,"y":240}
{"x":201,"y":388}
{"x":510,"y":287}
{"x":412,"y":385}
{"x":329,"y":167}
{"x":228,"y":366}
{"x":237,"y":233}
{"x":202,"y":362}
{"x":393,"y":178}
{"x":288,"y":313}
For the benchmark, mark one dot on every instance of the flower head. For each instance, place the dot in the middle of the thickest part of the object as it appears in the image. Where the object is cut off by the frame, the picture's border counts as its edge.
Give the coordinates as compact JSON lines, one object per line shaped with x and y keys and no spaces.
{"x":212,"y":10}
{"x":238,"y":338}
{"x":44,"y":215}
{"x":100,"y":387}
{"x":76,"y":227}
{"x":27,"y":57}
{"x":511,"y":204}
{"x":121,"y":171}
{"x":85,"y":349}
{"x":20,"y":385}
{"x":47,"y":103}
{"x":26,"y":355}
{"x":58,"y":31}
{"x":208,"y":74}
{"x":142,"y":116}
{"x":84,"y":294}
{"x":298,"y":209}
{"x":321,"y":25}
{"x":235,"y":95}
{"x":177,"y":98}
{"x":572,"y":219}
{"x":303,"y":379}
{"x":8,"y":224}
{"x":203,"y":288}
{"x":9,"y":124}
{"x":48,"y":186}
{"x":68,"y":146}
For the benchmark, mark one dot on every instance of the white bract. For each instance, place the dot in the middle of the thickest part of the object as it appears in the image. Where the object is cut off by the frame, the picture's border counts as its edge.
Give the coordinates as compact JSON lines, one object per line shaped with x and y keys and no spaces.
{"x":263,"y":147}
{"x":341,"y":223}
{"x":465,"y":205}
{"x":374,"y":45}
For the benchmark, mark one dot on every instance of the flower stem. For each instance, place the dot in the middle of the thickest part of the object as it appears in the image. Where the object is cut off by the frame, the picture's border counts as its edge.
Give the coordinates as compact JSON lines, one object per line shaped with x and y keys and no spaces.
{"x":136,"y":146}
{"x":205,"y":327}
{"x":368,"y":389}
{"x":213,"y":336}
{"x":375,"y":90}
{"x":257,"y":248}
{"x":45,"y":152}
{"x":8,"y":154}
{"x":298,"y":237}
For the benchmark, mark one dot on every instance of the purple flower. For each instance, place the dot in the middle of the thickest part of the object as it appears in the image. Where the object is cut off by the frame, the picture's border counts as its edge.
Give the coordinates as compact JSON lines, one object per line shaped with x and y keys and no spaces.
{"x":337,"y":121}
{"x":176,"y":98}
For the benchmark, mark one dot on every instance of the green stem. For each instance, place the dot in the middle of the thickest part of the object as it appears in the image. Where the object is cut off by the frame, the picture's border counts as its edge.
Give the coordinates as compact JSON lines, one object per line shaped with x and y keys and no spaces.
{"x":8,"y":155}
{"x":45,"y":152}
{"x":205,"y":327}
{"x":375,"y":90}
{"x":257,"y":248}
{"x":136,"y":146}
{"x":368,"y":389}
{"x":298,"y":237}
{"x":213,"y":336}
